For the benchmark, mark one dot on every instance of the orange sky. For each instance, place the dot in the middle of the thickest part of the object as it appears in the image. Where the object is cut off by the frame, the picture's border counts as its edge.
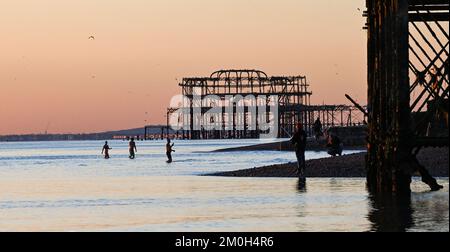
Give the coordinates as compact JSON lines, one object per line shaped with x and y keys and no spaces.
{"x":52,"y":74}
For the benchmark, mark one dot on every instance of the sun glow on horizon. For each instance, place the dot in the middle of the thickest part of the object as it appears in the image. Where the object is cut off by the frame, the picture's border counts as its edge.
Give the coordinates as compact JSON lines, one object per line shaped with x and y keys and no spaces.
{"x":55,"y":77}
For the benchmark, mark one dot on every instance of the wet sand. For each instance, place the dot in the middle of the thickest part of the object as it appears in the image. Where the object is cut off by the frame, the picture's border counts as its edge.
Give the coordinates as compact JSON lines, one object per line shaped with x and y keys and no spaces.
{"x":353,"y":165}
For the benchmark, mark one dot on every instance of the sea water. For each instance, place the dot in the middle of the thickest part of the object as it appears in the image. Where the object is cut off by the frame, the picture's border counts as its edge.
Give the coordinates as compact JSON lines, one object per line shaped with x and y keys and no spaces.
{"x":68,"y":186}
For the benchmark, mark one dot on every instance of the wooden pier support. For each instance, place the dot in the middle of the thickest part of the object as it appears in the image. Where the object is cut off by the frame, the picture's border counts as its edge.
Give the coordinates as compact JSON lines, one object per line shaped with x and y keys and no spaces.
{"x":392,"y":136}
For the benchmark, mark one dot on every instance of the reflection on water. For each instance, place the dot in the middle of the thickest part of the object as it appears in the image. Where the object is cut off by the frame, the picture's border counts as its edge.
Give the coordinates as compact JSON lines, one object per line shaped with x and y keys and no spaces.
{"x":192,"y":203}
{"x":390,"y":213}
{"x":422,"y":210}
{"x":301,"y":185}
{"x":68,"y":186}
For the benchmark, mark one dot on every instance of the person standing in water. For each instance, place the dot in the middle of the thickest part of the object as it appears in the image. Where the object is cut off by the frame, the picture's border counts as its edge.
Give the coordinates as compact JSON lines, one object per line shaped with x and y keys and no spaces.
{"x":132,"y":148}
{"x":169,"y":151}
{"x":106,"y":149}
{"x":299,"y":142}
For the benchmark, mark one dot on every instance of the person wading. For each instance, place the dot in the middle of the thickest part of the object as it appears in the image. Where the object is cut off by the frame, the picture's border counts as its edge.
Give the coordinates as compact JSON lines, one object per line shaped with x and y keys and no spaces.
{"x":132,"y":148}
{"x":169,"y":151}
{"x":106,"y":149}
{"x":299,"y":142}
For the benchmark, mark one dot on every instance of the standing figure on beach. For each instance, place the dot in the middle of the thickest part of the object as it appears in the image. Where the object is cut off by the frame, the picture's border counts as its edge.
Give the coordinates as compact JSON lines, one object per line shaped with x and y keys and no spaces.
{"x":106,"y":149}
{"x":132,"y":148}
{"x":299,"y":142}
{"x":169,"y":151}
{"x":318,"y":128}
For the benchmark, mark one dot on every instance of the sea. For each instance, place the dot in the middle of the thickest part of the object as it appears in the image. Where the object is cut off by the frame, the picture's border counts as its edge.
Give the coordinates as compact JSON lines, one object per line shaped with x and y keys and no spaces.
{"x":69,"y":186}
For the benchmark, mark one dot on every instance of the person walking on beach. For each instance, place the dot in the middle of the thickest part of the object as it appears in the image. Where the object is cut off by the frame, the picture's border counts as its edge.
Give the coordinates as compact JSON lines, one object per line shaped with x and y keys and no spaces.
{"x":169,"y":150}
{"x":132,"y":148}
{"x":299,"y":142}
{"x":106,"y":149}
{"x":318,"y":128}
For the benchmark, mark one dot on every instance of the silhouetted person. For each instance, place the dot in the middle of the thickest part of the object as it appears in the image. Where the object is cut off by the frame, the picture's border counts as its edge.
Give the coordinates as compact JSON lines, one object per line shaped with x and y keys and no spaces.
{"x":132,"y":148}
{"x":318,"y":128}
{"x":334,"y":145}
{"x":434,"y":82}
{"x":299,"y":142}
{"x":106,"y":149}
{"x":169,"y":151}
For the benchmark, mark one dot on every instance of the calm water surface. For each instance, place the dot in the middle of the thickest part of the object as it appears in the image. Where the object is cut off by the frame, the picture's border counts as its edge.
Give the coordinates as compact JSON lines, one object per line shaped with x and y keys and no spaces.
{"x":67,"y":186}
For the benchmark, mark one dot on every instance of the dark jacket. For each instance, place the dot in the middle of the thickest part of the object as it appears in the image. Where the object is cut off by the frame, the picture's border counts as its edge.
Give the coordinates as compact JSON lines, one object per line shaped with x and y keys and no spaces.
{"x":335,"y":142}
{"x":299,"y":140}
{"x":317,"y":126}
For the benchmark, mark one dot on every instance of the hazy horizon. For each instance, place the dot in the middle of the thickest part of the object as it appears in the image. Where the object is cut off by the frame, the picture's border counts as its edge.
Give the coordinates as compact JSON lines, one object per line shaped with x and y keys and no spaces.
{"x":54,"y":78}
{"x":93,"y":132}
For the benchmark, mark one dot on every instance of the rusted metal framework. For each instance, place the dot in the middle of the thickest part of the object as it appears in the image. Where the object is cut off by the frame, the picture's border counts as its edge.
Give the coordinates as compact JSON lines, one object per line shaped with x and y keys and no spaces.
{"x":293,"y":104}
{"x":408,"y":75}
{"x":336,"y":115}
{"x":292,"y":93}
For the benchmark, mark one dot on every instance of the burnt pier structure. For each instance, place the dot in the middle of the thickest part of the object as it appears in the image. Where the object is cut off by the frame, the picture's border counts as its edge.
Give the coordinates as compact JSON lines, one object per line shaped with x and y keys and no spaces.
{"x":293,"y":105}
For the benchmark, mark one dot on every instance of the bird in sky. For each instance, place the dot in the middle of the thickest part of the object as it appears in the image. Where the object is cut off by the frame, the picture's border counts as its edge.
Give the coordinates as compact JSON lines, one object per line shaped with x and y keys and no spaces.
{"x":91,"y":37}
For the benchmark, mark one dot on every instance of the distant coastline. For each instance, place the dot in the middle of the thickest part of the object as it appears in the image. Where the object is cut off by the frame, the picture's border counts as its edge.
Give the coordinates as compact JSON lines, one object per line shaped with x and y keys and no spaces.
{"x":107,"y":135}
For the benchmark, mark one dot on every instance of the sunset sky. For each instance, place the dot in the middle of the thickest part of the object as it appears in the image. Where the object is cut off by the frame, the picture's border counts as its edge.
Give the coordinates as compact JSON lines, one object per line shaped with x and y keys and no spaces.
{"x":52,"y":74}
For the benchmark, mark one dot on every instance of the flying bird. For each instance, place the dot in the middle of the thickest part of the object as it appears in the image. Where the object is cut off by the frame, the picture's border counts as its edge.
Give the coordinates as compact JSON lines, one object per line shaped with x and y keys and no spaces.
{"x":91,"y":37}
